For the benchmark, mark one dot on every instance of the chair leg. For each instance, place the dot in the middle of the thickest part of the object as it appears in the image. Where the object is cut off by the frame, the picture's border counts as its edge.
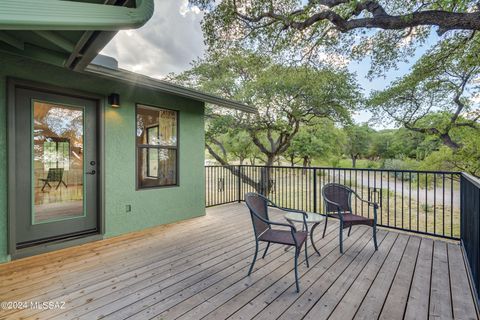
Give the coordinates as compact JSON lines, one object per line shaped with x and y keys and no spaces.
{"x":254,"y":258}
{"x":375,"y":237}
{"x":349,"y":229}
{"x":340,"y":237}
{"x":44,"y":185}
{"x":297,"y":252}
{"x":306,"y":254}
{"x":325,"y":227}
{"x":64,"y":184}
{"x":58,"y":185}
{"x":266,"y":249}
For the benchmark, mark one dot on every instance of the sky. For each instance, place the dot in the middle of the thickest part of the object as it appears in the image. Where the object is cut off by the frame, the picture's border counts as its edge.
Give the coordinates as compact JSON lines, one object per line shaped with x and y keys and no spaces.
{"x":173,"y":38}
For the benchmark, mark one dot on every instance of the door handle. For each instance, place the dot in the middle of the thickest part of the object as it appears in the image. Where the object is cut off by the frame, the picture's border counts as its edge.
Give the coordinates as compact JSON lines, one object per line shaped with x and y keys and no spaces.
{"x":91,"y":172}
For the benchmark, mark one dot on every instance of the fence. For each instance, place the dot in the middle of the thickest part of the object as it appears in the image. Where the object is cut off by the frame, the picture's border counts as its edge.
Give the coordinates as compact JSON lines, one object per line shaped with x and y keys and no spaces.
{"x":470,"y":224}
{"x":426,"y":202}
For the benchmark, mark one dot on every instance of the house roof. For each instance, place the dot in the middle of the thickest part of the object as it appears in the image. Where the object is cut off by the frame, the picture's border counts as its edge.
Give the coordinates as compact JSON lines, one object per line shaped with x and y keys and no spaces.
{"x":67,"y":33}
{"x":71,"y":33}
{"x":165,"y":86}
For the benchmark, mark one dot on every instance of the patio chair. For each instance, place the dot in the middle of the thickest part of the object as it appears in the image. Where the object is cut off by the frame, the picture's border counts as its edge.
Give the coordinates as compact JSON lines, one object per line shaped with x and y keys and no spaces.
{"x":262,"y":228}
{"x":338,"y":204}
{"x":54,"y":175}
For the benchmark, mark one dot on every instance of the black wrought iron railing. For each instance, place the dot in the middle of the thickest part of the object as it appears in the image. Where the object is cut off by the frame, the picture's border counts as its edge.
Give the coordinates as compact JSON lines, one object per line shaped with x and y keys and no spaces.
{"x":470,"y":225}
{"x":434,"y":203}
{"x":426,"y":202}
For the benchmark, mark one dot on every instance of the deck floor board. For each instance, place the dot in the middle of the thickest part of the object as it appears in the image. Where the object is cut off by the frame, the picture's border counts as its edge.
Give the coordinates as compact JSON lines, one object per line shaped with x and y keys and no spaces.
{"x":196,"y":269}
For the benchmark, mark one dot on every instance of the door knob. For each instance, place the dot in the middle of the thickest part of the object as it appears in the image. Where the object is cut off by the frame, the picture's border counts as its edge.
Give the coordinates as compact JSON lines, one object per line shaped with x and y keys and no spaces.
{"x":91,"y":172}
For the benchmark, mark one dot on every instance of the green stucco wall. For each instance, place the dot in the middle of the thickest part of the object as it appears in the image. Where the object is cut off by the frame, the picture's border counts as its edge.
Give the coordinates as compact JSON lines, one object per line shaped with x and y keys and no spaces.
{"x":149,"y":207}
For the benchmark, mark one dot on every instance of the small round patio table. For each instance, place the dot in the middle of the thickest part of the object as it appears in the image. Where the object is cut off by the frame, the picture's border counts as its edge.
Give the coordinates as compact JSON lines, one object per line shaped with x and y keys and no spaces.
{"x":312,"y":218}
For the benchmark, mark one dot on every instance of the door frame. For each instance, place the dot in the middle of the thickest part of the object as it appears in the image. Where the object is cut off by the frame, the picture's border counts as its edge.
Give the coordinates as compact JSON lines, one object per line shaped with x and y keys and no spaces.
{"x":12,"y":85}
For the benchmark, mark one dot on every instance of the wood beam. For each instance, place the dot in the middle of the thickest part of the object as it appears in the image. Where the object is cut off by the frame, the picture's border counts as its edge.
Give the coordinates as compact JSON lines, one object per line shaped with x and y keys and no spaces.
{"x":56,"y":40}
{"x":12,"y":41}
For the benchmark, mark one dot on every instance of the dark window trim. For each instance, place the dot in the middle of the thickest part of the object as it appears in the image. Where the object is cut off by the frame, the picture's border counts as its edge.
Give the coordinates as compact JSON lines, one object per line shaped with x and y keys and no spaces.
{"x":139,"y":146}
{"x":157,"y":126}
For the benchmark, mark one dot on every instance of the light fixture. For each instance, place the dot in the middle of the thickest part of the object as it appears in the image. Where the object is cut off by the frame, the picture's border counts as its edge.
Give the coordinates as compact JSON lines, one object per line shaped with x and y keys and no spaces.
{"x":114,"y":100}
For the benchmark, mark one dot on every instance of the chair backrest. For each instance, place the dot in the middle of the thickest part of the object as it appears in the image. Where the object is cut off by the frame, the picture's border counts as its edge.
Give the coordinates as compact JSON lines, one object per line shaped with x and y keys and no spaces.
{"x":338,"y":193}
{"x":55,"y":174}
{"x":258,"y":207}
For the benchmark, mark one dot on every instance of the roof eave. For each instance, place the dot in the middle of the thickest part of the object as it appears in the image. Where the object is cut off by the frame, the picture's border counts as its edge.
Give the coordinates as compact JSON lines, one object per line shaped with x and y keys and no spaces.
{"x":74,"y":16}
{"x":99,"y":23}
{"x":164,"y":86}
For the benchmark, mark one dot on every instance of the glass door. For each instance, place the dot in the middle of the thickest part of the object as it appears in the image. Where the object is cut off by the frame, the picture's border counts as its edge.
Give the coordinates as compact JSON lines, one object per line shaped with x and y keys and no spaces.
{"x":56,"y":166}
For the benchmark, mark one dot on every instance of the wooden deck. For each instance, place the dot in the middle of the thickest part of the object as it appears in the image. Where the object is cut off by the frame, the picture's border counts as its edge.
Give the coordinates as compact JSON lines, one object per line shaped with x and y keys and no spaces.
{"x":197,"y":269}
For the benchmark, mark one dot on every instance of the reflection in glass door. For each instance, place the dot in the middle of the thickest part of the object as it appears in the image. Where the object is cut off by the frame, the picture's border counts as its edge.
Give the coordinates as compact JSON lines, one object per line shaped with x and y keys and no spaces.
{"x":58,"y":162}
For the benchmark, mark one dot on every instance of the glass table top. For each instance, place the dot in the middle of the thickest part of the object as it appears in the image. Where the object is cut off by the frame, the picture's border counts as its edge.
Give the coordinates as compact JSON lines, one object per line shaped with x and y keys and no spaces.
{"x":298,"y":217}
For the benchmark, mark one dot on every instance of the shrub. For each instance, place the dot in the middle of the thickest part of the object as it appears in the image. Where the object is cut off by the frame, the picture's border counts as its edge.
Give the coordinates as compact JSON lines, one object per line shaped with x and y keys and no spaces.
{"x":398,"y":164}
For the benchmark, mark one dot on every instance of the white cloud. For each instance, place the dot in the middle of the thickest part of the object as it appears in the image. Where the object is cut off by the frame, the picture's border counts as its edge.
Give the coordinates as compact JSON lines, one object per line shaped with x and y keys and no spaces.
{"x":476,"y":98}
{"x":185,"y":8}
{"x":167,"y":43}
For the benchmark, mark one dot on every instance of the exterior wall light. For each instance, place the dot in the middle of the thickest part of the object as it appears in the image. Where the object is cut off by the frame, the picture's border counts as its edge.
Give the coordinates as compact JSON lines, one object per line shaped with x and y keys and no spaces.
{"x":114,"y":100}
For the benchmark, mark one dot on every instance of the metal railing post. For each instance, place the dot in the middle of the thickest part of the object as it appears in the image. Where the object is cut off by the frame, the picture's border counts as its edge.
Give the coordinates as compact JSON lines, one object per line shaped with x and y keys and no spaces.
{"x":314,"y":189}
{"x":239,"y":185}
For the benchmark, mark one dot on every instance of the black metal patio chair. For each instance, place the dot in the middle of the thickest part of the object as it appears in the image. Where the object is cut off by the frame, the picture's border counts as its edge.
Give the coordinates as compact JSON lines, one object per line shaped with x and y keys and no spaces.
{"x":262,"y":228}
{"x":54,"y":175}
{"x":338,"y":204}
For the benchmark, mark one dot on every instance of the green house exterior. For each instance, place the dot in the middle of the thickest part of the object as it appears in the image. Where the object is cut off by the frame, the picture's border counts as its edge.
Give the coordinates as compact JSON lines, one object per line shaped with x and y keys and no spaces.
{"x":122,"y":206}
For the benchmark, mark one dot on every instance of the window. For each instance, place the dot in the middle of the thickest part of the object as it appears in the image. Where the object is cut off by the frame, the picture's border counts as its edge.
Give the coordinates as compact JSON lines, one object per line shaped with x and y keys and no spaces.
{"x":56,"y":154}
{"x":157,"y":147}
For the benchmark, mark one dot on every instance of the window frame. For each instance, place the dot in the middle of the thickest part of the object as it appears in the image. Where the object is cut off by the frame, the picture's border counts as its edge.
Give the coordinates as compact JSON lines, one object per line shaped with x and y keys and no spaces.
{"x":139,"y":147}
{"x":57,"y":141}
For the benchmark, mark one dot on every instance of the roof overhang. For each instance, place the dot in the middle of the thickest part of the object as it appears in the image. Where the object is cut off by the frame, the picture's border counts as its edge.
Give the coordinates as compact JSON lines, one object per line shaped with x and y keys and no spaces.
{"x":71,"y":33}
{"x":66,"y":33}
{"x":165,"y":86}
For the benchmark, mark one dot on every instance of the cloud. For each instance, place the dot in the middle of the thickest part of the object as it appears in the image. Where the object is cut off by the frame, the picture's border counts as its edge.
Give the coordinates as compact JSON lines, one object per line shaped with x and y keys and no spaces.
{"x":167,"y":43}
{"x":476,"y":98}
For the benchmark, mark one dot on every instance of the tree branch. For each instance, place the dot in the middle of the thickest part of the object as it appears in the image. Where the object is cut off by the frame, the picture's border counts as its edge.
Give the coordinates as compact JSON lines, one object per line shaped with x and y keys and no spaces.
{"x":444,"y":20}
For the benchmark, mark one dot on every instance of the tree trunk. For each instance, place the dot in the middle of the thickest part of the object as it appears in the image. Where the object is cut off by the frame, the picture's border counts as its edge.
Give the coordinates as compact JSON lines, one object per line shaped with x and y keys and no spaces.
{"x":305,"y":161}
{"x":447,"y":140}
{"x":354,"y":161}
{"x":265,"y":184}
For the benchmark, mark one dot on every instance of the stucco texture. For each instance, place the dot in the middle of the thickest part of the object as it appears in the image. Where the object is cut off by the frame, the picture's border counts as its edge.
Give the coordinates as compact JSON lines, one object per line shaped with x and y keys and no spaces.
{"x":149,"y":207}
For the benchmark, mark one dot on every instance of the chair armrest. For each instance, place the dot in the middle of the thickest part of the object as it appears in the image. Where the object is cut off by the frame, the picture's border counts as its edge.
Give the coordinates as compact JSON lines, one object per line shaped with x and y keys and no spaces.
{"x":293,"y":229}
{"x":280,"y":224}
{"x":283,"y":225}
{"x":333,"y":203}
{"x":292,"y":210}
{"x":305,"y":215}
{"x":370,"y":203}
{"x":286,"y":209}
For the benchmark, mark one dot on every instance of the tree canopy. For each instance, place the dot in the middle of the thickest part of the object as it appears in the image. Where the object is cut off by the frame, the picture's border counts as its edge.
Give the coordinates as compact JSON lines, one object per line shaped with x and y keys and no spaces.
{"x":317,"y":29}
{"x":446,"y":89}
{"x":287,"y":97}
